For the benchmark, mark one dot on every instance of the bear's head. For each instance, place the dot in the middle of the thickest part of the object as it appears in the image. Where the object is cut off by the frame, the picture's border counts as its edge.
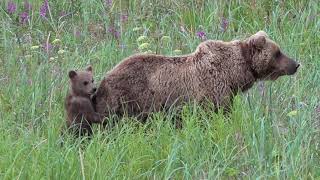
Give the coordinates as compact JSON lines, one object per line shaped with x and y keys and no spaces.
{"x":82,"y":83}
{"x":267,"y":61}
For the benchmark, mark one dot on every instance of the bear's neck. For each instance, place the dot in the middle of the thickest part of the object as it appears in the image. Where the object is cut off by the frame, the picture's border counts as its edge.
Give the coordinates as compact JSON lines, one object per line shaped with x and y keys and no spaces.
{"x":241,"y":78}
{"x":246,"y":75}
{"x":228,"y":62}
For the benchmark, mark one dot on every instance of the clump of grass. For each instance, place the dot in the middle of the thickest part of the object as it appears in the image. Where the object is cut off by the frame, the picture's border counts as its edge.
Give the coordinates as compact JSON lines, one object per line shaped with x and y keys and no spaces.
{"x":272,"y":131}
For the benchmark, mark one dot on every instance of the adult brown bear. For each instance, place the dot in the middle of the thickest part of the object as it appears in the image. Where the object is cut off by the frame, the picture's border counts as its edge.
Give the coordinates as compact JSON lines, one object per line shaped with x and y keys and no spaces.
{"x":216,"y":71}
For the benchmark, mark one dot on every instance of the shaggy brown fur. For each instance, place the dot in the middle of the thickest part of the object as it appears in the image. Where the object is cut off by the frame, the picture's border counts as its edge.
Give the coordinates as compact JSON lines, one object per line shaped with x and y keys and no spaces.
{"x":79,"y":107}
{"x":216,"y":71}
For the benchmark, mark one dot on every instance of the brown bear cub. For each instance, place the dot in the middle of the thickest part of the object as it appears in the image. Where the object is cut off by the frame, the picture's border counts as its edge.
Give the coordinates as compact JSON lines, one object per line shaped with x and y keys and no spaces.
{"x":215,"y":72}
{"x":80,"y":111}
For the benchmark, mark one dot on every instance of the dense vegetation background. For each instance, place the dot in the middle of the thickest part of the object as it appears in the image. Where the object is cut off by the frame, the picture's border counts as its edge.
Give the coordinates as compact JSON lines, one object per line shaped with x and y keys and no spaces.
{"x":272,"y":132}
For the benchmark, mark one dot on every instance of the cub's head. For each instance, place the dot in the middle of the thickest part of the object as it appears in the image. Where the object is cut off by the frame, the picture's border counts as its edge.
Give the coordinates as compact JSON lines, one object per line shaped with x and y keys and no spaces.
{"x":266,"y":59}
{"x":82,"y":83}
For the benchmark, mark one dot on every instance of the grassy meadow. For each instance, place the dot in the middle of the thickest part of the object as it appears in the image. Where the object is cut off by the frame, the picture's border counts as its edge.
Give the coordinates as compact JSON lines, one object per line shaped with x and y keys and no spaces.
{"x":273,"y":131}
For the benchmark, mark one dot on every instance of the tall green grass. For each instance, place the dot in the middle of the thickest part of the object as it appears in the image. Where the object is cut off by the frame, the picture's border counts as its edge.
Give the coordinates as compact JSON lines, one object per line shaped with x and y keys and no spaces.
{"x":271,"y":133}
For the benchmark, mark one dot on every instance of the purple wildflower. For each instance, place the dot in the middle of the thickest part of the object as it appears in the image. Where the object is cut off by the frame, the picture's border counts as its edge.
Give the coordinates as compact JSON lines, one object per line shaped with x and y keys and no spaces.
{"x":24,"y":17}
{"x":114,"y":32}
{"x":124,"y":17}
{"x":44,"y":8}
{"x":108,"y":2}
{"x":224,"y":24}
{"x":11,"y":7}
{"x":27,"y":6}
{"x":201,"y":35}
{"x":47,"y":47}
{"x":77,"y":33}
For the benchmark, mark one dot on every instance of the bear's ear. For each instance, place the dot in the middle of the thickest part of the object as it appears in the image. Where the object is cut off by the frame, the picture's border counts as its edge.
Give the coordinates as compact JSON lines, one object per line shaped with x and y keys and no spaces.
{"x":89,"y":68}
{"x":258,"y":40}
{"x":72,"y":74}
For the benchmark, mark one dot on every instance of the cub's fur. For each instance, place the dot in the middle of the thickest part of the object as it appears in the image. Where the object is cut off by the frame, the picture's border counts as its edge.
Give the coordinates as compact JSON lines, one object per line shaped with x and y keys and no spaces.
{"x":80,"y":111}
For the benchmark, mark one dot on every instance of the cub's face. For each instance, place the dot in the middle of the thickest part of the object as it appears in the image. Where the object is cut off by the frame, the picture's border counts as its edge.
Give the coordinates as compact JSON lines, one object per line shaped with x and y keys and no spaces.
{"x":82,"y":83}
{"x":268,"y":61}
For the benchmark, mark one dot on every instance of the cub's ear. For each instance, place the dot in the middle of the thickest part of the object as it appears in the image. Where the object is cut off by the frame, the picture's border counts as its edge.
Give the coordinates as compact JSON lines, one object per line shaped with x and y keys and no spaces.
{"x":72,"y":74}
{"x":258,"y":40}
{"x":89,"y":68}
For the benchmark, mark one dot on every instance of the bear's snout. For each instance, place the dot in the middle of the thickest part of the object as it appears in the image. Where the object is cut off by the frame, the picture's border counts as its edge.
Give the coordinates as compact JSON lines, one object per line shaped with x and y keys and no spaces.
{"x":293,"y":67}
{"x":93,"y":90}
{"x":286,"y":65}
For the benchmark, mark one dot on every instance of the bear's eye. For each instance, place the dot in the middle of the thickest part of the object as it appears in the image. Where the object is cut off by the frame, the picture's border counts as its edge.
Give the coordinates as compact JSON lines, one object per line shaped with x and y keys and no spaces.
{"x":277,"y":54}
{"x":86,"y":83}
